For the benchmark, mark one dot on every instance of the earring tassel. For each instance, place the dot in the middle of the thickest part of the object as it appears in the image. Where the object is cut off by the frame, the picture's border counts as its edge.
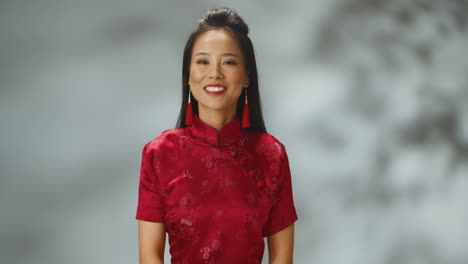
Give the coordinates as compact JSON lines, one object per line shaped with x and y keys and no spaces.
{"x":245,"y":116}
{"x":188,"y":112}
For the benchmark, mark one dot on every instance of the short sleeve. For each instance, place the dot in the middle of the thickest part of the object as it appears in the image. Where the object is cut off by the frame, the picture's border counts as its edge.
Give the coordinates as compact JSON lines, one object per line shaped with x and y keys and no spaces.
{"x":150,"y":197}
{"x":283,"y":212}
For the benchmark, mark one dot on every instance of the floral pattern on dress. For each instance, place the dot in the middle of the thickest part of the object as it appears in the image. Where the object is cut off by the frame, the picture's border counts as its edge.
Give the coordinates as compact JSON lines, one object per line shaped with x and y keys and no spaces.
{"x":271,"y":152}
{"x":209,"y":251}
{"x":185,"y":229}
{"x":217,"y":199}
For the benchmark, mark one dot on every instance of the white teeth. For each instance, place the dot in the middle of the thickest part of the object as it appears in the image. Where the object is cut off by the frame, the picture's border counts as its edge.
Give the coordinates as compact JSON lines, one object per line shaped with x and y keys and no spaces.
{"x":214,"y":89}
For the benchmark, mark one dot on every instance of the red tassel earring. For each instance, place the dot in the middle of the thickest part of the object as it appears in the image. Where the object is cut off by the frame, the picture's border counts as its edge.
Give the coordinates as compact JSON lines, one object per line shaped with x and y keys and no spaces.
{"x":189,"y":112}
{"x":246,"y":113}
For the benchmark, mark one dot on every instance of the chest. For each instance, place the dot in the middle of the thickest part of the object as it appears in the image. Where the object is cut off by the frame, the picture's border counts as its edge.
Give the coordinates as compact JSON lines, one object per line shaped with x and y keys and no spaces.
{"x":231,"y":182}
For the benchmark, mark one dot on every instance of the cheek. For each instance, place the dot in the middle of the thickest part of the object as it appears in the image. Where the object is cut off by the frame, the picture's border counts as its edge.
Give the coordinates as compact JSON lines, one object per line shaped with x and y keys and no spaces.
{"x":238,"y":76}
{"x":195,"y":75}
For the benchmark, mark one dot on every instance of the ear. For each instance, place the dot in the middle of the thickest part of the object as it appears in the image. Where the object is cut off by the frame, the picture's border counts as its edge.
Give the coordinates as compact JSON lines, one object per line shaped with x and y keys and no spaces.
{"x":247,"y":83}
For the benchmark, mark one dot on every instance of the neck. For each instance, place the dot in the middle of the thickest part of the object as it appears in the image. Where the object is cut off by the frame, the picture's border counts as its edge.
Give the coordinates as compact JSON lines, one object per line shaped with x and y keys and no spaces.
{"x":216,"y":119}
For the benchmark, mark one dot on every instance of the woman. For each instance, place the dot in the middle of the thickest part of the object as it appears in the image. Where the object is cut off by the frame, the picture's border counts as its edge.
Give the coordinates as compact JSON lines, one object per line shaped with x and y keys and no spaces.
{"x":218,"y":183}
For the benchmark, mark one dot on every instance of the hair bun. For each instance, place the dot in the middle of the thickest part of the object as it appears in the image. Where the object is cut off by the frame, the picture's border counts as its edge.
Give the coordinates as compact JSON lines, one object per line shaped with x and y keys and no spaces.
{"x":222,"y":17}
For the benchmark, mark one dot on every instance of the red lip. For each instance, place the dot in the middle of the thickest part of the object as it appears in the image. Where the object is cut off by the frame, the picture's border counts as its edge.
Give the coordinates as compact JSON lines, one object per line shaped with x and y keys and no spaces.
{"x":215,"y":85}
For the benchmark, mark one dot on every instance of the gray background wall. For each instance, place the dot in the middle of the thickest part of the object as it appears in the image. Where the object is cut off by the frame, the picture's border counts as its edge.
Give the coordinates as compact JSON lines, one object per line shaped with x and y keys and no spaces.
{"x":369,"y":97}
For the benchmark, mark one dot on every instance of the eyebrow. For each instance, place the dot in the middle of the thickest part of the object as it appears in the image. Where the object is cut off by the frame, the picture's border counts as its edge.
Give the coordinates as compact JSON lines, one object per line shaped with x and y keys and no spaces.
{"x":224,"y":54}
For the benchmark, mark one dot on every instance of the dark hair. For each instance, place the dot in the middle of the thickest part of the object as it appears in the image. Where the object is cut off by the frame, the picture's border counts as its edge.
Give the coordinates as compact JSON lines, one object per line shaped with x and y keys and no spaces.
{"x":228,"y":19}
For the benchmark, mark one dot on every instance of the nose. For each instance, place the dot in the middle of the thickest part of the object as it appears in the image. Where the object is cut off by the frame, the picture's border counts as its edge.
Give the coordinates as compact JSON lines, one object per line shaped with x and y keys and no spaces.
{"x":216,"y":72}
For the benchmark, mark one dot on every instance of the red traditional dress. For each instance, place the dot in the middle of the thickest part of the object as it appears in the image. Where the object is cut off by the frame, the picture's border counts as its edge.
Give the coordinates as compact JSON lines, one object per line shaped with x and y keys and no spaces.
{"x":217,"y":201}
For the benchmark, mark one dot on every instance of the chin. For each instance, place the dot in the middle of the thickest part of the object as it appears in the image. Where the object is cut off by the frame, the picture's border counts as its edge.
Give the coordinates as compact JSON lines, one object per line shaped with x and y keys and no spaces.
{"x":216,"y":107}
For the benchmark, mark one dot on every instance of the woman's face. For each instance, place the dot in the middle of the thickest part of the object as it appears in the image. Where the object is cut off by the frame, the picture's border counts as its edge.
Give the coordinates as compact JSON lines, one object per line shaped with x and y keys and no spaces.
{"x":217,"y":59}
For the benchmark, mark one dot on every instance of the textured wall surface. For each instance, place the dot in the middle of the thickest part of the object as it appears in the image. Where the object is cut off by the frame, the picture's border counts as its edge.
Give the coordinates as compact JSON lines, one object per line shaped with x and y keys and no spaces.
{"x":370,"y":98}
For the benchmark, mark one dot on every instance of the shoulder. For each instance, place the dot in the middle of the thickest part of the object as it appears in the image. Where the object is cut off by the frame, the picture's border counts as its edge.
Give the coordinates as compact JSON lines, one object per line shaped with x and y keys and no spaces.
{"x":166,"y":141}
{"x":268,"y":144}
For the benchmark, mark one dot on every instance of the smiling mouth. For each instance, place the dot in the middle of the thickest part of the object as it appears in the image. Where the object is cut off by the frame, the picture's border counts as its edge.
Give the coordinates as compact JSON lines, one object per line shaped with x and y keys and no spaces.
{"x":214,"y":89}
{"x":210,"y":90}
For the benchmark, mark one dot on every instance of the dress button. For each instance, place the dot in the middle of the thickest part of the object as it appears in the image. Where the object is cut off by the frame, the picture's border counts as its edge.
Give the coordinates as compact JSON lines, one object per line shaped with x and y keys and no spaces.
{"x":233,"y":153}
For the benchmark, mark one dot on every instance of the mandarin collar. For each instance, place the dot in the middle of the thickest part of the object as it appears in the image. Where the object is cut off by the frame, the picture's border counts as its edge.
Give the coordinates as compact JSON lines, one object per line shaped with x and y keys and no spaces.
{"x":230,"y":133}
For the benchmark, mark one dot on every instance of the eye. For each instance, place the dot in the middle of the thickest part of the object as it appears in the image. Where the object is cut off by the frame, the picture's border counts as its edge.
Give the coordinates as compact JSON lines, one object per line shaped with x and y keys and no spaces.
{"x":206,"y":62}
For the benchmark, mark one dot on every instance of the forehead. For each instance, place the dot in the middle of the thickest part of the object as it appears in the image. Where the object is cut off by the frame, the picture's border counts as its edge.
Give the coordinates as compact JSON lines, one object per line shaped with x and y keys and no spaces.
{"x":216,"y":41}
